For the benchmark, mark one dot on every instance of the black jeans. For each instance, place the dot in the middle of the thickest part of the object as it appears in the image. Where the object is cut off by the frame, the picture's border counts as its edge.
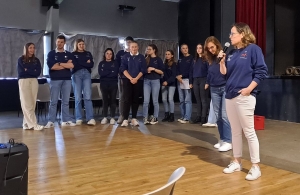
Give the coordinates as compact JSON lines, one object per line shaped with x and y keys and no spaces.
{"x":132,"y":93}
{"x":109,"y":96}
{"x":201,"y":95}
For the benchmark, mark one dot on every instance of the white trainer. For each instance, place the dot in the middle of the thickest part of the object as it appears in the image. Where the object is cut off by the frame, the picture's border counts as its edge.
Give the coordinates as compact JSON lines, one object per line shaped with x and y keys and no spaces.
{"x":124,"y":123}
{"x":254,"y":173}
{"x":219,"y":144}
{"x":49,"y":125}
{"x":104,"y":121}
{"x":134,"y":122}
{"x":225,"y":147}
{"x":68,"y":124}
{"x":112,"y":121}
{"x":232,"y":167}
{"x":25,"y":126}
{"x":120,"y":119}
{"x":78,"y":122}
{"x":91,"y":122}
{"x":209,"y":125}
{"x":38,"y":127}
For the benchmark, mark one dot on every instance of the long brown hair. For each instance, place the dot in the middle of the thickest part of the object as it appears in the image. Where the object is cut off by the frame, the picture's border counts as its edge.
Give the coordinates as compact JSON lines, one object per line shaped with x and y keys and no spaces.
{"x":154,"y":47}
{"x":196,"y":53}
{"x":207,"y":54}
{"x":172,"y":60}
{"x":76,"y":44}
{"x":244,"y":29}
{"x":26,"y":53}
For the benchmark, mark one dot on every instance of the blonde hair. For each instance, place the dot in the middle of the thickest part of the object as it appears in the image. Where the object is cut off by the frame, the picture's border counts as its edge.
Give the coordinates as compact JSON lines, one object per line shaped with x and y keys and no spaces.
{"x":207,"y":54}
{"x":76,"y":44}
{"x":248,"y":36}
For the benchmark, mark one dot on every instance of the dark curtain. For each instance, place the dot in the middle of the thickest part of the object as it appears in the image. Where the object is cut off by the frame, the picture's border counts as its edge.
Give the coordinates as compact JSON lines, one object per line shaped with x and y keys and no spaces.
{"x":253,"y":13}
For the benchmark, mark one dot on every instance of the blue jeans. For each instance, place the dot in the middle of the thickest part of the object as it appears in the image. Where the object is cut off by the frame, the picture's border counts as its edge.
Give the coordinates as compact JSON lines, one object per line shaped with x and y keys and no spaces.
{"x":211,"y":116}
{"x":185,"y":98}
{"x":58,"y":87}
{"x":167,"y":93}
{"x":218,"y":100}
{"x":151,"y":86}
{"x":81,"y":81}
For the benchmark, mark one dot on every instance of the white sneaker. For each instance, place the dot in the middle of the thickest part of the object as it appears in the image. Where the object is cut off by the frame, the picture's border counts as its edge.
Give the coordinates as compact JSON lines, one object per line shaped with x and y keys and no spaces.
{"x":225,"y":147}
{"x":254,"y":173}
{"x":120,"y":119}
{"x":104,"y":121}
{"x":49,"y":125}
{"x":146,"y":121}
{"x":25,"y":127}
{"x":38,"y":127}
{"x":124,"y":123}
{"x":91,"y":122}
{"x":68,"y":124}
{"x":134,"y":122}
{"x":219,"y":144}
{"x":112,"y":121}
{"x":184,"y":121}
{"x":232,"y":167}
{"x":180,"y":119}
{"x":209,"y":125}
{"x":78,"y":122}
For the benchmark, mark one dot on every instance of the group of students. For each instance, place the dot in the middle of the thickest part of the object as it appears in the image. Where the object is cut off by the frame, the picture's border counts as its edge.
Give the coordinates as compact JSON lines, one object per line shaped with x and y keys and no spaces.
{"x":230,"y":80}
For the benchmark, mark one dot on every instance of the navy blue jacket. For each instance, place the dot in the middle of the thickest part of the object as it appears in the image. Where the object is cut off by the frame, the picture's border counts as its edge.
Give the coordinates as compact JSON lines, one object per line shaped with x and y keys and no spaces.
{"x":214,"y":76}
{"x":244,"y":66}
{"x":156,"y":63}
{"x":134,"y":65}
{"x":108,"y":71}
{"x":183,"y":66}
{"x":80,"y":61}
{"x":33,"y":68}
{"x":170,"y":74}
{"x":62,"y":57}
{"x":199,"y":69}
{"x":119,"y":57}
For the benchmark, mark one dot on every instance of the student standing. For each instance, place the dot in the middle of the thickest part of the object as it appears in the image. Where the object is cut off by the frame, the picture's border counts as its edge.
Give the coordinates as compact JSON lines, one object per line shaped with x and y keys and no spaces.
{"x":29,"y":69}
{"x":81,"y":80}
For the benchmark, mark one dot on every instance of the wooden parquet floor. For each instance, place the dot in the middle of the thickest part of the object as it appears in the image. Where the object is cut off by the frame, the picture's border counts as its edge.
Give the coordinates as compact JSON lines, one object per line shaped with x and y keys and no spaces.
{"x":110,"y":160}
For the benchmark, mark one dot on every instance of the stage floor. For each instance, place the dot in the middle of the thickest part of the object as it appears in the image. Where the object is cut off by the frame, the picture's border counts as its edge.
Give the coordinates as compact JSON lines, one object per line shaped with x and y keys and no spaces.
{"x":107,"y":159}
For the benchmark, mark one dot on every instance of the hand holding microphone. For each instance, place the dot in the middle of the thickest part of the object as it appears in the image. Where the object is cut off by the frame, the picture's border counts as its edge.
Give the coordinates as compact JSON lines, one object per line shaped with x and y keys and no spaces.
{"x":222,"y":53}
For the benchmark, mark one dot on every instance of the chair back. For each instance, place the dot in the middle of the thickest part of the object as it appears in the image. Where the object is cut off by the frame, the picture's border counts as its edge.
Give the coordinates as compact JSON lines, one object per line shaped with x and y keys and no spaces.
{"x":169,"y":187}
{"x":43,"y":93}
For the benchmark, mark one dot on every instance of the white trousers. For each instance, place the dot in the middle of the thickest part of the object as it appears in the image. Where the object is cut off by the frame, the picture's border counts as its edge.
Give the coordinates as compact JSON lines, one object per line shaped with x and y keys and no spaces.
{"x":240,"y":111}
{"x":28,"y":89}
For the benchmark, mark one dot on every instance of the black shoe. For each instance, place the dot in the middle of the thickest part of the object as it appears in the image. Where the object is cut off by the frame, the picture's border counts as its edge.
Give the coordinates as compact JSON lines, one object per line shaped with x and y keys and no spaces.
{"x":196,"y":120}
{"x":166,"y":117}
{"x":171,"y":117}
{"x":153,"y":121}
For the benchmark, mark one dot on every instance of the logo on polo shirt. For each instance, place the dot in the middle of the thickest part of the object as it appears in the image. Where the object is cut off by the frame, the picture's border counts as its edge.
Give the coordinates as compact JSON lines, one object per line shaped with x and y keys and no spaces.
{"x":66,"y":57}
{"x":76,"y":56}
{"x":244,"y":55}
{"x":155,"y":62}
{"x":229,"y":58}
{"x":56,"y":57}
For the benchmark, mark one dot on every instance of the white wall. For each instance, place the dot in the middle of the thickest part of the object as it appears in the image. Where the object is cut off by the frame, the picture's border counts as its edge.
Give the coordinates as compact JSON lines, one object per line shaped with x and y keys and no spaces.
{"x":152,"y":19}
{"x":23,"y":14}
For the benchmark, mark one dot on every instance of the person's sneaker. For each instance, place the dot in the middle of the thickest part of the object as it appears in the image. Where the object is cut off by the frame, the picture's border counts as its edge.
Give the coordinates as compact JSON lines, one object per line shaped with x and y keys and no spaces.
{"x":38,"y":127}
{"x":124,"y":123}
{"x":219,"y":144}
{"x":112,"y":121}
{"x":25,"y":127}
{"x":184,"y":121}
{"x":134,"y":122}
{"x":49,"y":125}
{"x":153,"y":121}
{"x":146,"y":121}
{"x":150,"y":117}
{"x":91,"y":122}
{"x":104,"y":121}
{"x":232,"y":167}
{"x":120,"y":119}
{"x":225,"y":147}
{"x":209,"y":125}
{"x":180,"y":119}
{"x":68,"y":124}
{"x":254,"y":173}
{"x":78,"y":122}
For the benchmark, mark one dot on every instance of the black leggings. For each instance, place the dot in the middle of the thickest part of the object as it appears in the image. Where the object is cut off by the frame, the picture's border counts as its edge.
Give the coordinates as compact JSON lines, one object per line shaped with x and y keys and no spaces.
{"x":109,"y":96}
{"x":202,"y":96}
{"x":132,"y":93}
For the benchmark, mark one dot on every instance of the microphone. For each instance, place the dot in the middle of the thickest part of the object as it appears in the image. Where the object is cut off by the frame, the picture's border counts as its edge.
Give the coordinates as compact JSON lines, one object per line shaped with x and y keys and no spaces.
{"x":226,"y":46}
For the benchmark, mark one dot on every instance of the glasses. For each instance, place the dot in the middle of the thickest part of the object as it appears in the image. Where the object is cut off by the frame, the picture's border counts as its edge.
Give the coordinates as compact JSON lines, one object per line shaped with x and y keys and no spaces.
{"x":230,"y":34}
